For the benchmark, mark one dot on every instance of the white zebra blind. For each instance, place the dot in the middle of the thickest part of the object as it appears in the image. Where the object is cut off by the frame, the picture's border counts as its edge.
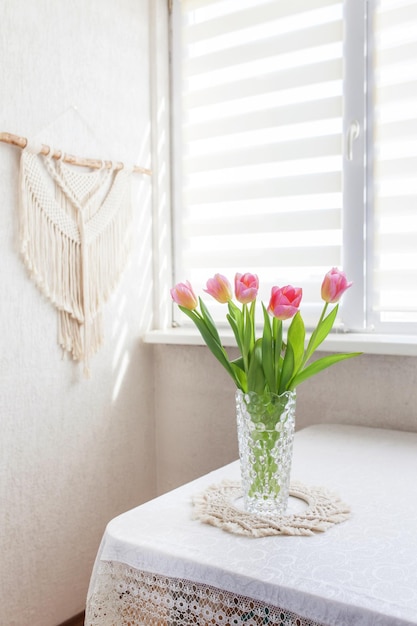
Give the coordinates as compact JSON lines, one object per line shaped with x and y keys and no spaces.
{"x":259,"y":142}
{"x":393,"y":257}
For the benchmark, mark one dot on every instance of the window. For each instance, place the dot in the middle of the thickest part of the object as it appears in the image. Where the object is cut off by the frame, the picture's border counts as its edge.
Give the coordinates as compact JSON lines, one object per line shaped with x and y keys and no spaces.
{"x":295,"y":150}
{"x":392,"y":178}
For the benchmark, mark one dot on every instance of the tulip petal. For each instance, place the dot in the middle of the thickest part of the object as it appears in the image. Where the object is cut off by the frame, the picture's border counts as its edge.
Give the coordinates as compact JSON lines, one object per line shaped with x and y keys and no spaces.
{"x":219,"y":288}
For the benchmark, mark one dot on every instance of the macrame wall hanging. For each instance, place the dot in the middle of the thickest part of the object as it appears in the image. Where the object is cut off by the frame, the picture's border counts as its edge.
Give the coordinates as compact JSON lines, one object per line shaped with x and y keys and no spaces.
{"x":75,"y":239}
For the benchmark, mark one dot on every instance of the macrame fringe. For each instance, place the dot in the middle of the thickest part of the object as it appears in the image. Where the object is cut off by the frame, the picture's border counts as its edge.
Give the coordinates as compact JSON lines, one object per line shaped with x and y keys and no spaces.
{"x":75,"y":242}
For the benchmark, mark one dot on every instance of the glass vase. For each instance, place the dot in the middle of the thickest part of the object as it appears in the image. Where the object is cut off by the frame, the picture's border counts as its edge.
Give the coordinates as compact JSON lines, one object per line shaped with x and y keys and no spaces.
{"x":265,"y":426}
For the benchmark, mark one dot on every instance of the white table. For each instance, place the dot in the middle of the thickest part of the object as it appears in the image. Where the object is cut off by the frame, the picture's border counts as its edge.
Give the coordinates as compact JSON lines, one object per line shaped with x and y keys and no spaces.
{"x":156,"y":565}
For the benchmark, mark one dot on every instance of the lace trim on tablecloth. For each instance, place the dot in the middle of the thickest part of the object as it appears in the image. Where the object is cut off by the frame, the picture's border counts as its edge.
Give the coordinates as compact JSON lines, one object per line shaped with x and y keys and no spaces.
{"x":124,"y":596}
{"x":216,"y":506}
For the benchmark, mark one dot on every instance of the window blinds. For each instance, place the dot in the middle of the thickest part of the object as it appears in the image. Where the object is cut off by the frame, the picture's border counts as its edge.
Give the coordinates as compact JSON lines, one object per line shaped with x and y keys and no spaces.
{"x":393,"y":259}
{"x":260,"y":143}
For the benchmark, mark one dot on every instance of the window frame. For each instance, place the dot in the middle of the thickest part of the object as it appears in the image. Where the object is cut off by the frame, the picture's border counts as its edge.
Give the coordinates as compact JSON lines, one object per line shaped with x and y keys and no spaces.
{"x":360,"y":333}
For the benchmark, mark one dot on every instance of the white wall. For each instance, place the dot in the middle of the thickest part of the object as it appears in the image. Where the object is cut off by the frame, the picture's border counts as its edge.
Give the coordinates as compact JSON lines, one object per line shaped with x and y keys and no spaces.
{"x":73,"y":452}
{"x":195,"y":416}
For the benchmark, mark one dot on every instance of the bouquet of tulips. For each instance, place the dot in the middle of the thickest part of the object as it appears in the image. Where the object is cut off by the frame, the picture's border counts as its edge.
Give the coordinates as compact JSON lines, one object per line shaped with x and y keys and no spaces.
{"x":270,"y":362}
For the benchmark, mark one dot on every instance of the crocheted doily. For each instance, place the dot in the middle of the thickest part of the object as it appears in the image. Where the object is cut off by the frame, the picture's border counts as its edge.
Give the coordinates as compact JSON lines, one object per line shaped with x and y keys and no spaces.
{"x":217,"y":506}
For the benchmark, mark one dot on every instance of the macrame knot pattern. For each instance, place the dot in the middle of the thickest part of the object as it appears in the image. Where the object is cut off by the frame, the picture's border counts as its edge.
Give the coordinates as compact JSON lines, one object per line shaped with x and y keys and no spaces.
{"x":75,"y":239}
{"x":217,"y":506}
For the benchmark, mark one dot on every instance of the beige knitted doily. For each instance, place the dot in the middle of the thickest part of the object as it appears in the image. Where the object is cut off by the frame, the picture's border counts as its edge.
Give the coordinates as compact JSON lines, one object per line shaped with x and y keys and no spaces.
{"x":217,"y":506}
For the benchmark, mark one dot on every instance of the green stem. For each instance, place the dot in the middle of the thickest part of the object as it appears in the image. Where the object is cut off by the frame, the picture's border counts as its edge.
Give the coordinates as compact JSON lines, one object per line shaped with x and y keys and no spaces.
{"x":310,"y":348}
{"x":264,"y":466}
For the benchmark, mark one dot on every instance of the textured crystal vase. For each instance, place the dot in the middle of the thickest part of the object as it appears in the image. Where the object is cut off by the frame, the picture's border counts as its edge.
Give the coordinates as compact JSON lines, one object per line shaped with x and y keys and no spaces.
{"x":265,"y":426}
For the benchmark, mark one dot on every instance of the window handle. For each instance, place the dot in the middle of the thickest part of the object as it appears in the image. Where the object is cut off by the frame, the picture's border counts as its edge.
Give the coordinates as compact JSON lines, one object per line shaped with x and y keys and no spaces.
{"x":352,"y":135}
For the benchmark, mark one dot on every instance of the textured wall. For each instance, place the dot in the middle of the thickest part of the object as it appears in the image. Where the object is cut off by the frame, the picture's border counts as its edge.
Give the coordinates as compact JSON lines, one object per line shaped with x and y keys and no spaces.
{"x":195,"y":416}
{"x":73,"y":452}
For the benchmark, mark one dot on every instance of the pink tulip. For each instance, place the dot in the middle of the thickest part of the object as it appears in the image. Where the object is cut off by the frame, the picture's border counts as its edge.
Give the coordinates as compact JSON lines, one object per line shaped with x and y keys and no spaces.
{"x":246,"y":287}
{"x":334,"y":285}
{"x":285,"y":301}
{"x":220,"y":288}
{"x":184,"y":295}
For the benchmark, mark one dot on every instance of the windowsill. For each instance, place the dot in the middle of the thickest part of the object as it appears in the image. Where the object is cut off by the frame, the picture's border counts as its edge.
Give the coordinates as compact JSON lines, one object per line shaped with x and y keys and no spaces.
{"x":398,"y":345}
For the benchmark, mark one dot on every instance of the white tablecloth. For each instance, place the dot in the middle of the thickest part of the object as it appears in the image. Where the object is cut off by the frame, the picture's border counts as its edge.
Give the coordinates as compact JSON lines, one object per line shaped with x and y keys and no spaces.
{"x":362,"y":572}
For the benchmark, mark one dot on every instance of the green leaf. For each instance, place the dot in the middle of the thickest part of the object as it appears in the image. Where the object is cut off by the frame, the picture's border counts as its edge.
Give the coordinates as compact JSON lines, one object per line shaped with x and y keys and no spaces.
{"x":320,"y":333}
{"x":240,"y":376}
{"x":268,"y":352}
{"x":287,"y":369}
{"x":294,"y":352}
{"x":212,"y":339}
{"x":256,"y":378}
{"x":211,"y":326}
{"x":236,"y":314}
{"x":235,"y":319}
{"x":213,"y":342}
{"x":319,"y":365}
{"x":235,"y":329}
{"x":277,"y":337}
{"x":296,"y":339}
{"x":248,"y":331}
{"x":239,"y":363}
{"x":252,"y":310}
